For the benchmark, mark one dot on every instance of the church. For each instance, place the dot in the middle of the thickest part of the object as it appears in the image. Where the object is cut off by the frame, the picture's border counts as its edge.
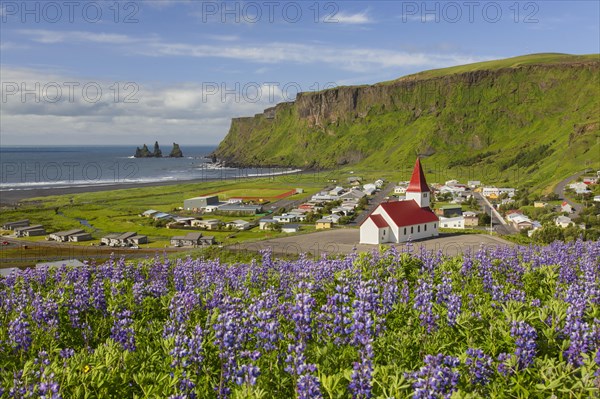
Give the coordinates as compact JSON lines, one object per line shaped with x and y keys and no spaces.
{"x":400,"y":221}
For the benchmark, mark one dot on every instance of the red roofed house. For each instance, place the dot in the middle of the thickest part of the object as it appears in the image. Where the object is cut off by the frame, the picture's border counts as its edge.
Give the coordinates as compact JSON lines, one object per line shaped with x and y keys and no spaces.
{"x":402,"y":220}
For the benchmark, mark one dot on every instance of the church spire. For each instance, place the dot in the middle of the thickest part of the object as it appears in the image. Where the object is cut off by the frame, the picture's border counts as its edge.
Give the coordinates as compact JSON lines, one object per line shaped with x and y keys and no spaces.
{"x":418,"y":190}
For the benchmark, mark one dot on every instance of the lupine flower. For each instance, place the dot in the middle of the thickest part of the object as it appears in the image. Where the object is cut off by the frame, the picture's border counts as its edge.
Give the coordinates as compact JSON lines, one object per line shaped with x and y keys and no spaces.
{"x":525,"y":337}
{"x":19,"y":333}
{"x":479,"y":365}
{"x":122,"y":330}
{"x":437,"y":378}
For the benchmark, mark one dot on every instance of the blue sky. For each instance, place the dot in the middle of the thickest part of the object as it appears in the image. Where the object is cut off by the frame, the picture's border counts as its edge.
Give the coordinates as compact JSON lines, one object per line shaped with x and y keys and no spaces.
{"x":187,"y":67}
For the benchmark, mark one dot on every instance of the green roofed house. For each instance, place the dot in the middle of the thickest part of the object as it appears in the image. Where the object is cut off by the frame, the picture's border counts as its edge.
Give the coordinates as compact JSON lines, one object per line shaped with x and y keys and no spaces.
{"x":449,"y":211}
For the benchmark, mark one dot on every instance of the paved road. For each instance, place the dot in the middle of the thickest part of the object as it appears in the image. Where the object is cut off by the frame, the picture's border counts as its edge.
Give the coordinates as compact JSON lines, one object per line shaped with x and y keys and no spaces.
{"x":342,"y":241}
{"x":560,"y":191}
{"x":500,"y":225}
{"x":373,"y":202}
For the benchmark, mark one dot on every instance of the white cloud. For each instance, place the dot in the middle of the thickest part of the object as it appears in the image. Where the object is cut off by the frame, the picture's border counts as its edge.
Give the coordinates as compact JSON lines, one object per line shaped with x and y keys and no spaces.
{"x":358,"y":18}
{"x":185,"y":112}
{"x":51,"y":37}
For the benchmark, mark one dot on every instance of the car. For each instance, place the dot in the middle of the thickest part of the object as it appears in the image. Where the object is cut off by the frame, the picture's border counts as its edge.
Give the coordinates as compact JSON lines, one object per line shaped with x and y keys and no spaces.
{"x":5,"y":243}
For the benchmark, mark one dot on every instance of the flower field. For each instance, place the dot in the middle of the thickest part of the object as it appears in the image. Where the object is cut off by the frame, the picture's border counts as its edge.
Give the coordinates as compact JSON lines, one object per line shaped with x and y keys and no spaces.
{"x":502,"y":322}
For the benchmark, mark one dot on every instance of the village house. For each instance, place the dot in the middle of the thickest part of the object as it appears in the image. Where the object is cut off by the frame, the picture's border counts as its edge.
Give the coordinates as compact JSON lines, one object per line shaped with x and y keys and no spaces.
{"x":473,"y":183}
{"x":563,"y":221}
{"x":323,"y":224}
{"x":470,"y":218}
{"x":149,"y":213}
{"x":580,"y":188}
{"x":239,"y":224}
{"x":290,"y":228}
{"x":597,"y":198}
{"x":30,"y":231}
{"x":535,"y":225}
{"x":63,"y":236}
{"x":265,"y":224}
{"x":189,"y":240}
{"x":566,"y":207}
{"x":352,"y":195}
{"x":285,"y":218}
{"x":123,"y":239}
{"x":369,"y":189}
{"x":162,"y":216}
{"x":80,"y":237}
{"x":399,"y":189}
{"x":208,"y":224}
{"x":456,"y":222}
{"x":13,"y":225}
{"x":333,"y":218}
{"x":590,"y":180}
{"x":449,"y":211}
{"x":540,"y":204}
{"x":336,"y":191}
{"x":403,"y":220}
{"x":379,"y":183}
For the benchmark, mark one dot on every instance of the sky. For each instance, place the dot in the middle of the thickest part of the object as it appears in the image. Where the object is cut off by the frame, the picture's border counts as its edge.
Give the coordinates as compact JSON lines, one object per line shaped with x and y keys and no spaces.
{"x":133,"y":72}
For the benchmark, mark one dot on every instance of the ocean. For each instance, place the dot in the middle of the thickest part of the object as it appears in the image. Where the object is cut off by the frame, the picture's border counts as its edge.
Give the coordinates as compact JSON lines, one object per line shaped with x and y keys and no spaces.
{"x":28,"y":167}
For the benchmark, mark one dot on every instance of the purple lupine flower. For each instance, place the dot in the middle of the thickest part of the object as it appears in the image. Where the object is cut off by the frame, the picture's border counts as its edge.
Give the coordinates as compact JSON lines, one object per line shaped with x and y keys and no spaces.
{"x":437,"y":378}
{"x":479,"y":365}
{"x":525,"y":337}
{"x":503,"y":366}
{"x":361,"y":380}
{"x":19,"y":333}
{"x":122,"y":330}
{"x":454,"y":308}
{"x":580,"y":338}
{"x":423,"y":303}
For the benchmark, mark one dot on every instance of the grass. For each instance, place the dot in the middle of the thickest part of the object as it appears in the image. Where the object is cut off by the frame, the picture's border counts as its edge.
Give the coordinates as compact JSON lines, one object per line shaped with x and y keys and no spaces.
{"x":118,"y":210}
{"x":378,"y":132}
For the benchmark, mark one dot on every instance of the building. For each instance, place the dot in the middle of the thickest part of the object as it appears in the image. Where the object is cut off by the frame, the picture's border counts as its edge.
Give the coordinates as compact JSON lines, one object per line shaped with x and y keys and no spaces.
{"x":352,"y":194}
{"x":457,"y":222}
{"x":13,"y":225}
{"x":449,"y":211}
{"x":162,"y":216}
{"x":266,"y":224}
{"x":286,"y":218}
{"x":539,"y":204}
{"x":208,"y":224}
{"x":63,"y":236}
{"x":197,"y":203}
{"x":401,"y":221}
{"x":494,"y":192}
{"x":471,"y":219}
{"x":290,"y":228}
{"x":336,"y":191}
{"x":566,"y":207}
{"x":521,"y":222}
{"x":563,"y":221}
{"x":240,"y":209}
{"x":474,"y":183}
{"x":239,"y":224}
{"x":149,"y":213}
{"x":123,"y":239}
{"x":369,"y":188}
{"x":80,"y":237}
{"x":597,"y":198}
{"x":30,"y":231}
{"x":189,"y":240}
{"x":399,"y":189}
{"x":323,"y":224}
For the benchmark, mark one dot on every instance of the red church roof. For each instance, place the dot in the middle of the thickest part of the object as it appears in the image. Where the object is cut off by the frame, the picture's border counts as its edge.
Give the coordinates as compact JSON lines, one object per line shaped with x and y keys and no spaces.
{"x":407,"y":213}
{"x":417,"y":184}
{"x":379,"y":221}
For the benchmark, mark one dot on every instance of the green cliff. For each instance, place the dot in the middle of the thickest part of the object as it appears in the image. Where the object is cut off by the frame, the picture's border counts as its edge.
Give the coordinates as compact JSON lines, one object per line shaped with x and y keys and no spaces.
{"x":535,"y":117}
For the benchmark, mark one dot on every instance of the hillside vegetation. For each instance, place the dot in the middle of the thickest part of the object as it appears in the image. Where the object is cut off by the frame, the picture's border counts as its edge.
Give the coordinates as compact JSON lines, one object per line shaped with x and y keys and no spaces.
{"x":525,"y":120}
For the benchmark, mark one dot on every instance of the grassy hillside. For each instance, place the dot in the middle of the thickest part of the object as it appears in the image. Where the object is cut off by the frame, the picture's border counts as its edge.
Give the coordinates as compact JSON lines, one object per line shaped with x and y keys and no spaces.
{"x":527,"y":120}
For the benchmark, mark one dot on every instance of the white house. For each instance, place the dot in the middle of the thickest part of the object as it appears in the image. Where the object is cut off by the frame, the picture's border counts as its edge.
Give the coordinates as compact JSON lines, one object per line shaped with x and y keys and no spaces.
{"x":566,"y":207}
{"x":563,"y":221}
{"x":399,"y":189}
{"x":290,"y":228}
{"x":403,"y":220}
{"x":369,"y":188}
{"x":597,"y":198}
{"x":239,"y":224}
{"x":457,"y":222}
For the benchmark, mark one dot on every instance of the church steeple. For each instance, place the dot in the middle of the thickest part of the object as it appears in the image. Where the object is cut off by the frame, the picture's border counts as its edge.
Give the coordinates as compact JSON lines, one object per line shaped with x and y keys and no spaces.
{"x":418,"y":190}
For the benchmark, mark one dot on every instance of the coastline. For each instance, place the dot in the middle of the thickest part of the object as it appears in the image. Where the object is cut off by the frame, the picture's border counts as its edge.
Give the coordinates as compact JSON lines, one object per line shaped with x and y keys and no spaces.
{"x":12,"y":197}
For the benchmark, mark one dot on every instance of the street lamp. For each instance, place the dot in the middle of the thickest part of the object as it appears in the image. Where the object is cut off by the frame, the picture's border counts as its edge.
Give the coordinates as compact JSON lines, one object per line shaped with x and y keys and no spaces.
{"x":491,"y":219}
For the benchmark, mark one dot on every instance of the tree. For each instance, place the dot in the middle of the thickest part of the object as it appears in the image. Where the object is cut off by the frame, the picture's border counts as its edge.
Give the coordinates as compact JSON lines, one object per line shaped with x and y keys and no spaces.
{"x":484,"y":219}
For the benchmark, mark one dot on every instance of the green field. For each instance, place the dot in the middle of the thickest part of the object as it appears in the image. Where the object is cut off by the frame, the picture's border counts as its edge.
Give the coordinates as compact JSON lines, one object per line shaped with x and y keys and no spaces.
{"x":119,"y":210}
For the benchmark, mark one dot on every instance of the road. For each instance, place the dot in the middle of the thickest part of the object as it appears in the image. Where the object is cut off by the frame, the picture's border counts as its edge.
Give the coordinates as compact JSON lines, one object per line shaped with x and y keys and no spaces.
{"x":560,"y":191}
{"x":342,"y":241}
{"x":500,"y":225}
{"x":373,"y":202}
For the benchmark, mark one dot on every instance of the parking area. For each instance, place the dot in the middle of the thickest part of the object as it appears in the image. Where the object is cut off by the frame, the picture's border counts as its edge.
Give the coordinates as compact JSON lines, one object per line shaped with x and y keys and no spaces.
{"x":345,"y":241}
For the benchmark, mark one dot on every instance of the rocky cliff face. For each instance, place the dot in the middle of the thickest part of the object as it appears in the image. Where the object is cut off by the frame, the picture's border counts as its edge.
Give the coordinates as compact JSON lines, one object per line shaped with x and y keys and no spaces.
{"x":440,"y":116}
